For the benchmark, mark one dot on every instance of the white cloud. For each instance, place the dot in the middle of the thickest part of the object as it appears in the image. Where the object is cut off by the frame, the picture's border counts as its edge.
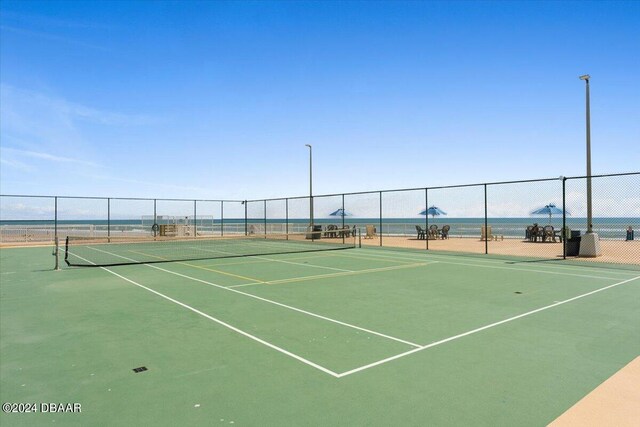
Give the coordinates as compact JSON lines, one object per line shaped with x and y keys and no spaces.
{"x":43,"y":156}
{"x":41,"y":135}
{"x":16,"y":164}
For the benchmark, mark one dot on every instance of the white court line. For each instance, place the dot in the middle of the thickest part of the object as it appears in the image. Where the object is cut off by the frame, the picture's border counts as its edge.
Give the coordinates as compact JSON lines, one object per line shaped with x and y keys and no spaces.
{"x":483,"y":264}
{"x":473,"y":331}
{"x":267,"y":300}
{"x":440,"y":257}
{"x":226,"y":325}
{"x":414,"y":255}
{"x":263,"y":259}
{"x":331,"y":275}
{"x":275,"y":260}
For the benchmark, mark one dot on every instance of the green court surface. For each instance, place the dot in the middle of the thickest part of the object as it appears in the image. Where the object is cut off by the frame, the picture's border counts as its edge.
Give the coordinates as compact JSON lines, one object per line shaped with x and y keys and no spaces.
{"x":350,"y":337}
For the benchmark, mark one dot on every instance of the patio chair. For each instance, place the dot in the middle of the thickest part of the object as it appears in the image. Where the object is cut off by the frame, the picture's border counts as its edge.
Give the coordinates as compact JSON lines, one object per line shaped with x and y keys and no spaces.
{"x":330,"y":231}
{"x":535,"y":232}
{"x":485,"y":233}
{"x":371,"y":232}
{"x":548,"y":234}
{"x":445,"y":232}
{"x":434,"y":233}
{"x":422,"y":233}
{"x":527,"y":234}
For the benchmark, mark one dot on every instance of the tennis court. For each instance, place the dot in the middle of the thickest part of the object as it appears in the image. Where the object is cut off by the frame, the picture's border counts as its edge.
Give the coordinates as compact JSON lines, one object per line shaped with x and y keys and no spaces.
{"x":352,"y":336}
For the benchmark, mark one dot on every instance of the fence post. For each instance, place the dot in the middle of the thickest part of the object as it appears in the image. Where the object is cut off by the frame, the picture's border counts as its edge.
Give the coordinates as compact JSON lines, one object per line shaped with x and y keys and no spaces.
{"x":486,"y":234}
{"x":343,"y":230}
{"x":222,"y":218}
{"x":265,"y":218}
{"x":380,"y":231}
{"x":109,"y":219}
{"x":426,"y":216}
{"x":56,"y":248}
{"x":195,"y":218}
{"x":246,"y":229}
{"x":155,"y":218}
{"x":564,"y":219}
{"x":55,"y":217}
{"x":286,"y":217}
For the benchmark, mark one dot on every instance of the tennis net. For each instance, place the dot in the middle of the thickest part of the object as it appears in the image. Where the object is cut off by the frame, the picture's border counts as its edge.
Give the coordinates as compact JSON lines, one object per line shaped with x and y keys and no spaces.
{"x":104,"y":251}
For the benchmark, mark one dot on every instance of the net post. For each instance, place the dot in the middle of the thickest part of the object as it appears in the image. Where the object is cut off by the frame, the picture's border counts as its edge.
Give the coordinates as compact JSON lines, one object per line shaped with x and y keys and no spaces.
{"x":380,"y":231}
{"x":359,"y":238}
{"x":486,"y":233}
{"x":57,"y":253}
{"x":222,"y":218}
{"x":66,"y":250}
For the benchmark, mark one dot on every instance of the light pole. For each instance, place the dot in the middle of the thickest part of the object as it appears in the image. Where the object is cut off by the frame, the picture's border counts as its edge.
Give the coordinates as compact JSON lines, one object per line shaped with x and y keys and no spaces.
{"x":590,"y":243}
{"x":310,"y":186}
{"x":586,"y":78}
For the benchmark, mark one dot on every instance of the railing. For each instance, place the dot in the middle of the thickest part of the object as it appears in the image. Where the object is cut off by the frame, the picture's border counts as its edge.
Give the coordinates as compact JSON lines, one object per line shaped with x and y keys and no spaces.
{"x":504,"y":208}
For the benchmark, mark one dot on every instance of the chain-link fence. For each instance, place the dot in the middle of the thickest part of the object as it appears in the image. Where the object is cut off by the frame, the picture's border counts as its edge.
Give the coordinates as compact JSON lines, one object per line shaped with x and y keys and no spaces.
{"x":534,"y":219}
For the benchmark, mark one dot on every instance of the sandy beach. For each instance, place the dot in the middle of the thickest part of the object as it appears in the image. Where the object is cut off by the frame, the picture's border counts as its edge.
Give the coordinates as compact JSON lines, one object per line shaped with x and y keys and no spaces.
{"x":613,"y":251}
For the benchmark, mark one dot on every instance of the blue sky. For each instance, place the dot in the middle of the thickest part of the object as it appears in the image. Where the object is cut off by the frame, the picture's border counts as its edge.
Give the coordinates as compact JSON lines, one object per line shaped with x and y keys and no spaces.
{"x":217,"y":99}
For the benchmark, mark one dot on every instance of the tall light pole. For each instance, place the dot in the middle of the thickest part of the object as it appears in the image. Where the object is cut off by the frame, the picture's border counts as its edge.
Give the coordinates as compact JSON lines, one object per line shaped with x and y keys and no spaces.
{"x":590,"y":243}
{"x":586,"y":78}
{"x":310,"y":186}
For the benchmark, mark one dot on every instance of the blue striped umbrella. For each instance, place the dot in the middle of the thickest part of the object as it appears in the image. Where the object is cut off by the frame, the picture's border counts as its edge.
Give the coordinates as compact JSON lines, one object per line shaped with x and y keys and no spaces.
{"x":433,"y":211}
{"x":340,"y":212}
{"x":550,"y":210}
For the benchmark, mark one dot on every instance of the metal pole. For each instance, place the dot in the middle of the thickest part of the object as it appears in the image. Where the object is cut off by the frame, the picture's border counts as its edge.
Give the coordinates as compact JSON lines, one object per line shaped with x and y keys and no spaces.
{"x":310,"y":187}
{"x":564,"y":219}
{"x":588,"y":114}
{"x":55,"y":217}
{"x":265,"y":218}
{"x":222,"y":218}
{"x":246,"y":229}
{"x":426,"y":217}
{"x":486,"y":229}
{"x":286,"y":217}
{"x":155,"y":216}
{"x":195,"y":218}
{"x":343,"y":230}
{"x":380,"y":231}
{"x":109,"y":220}
{"x":56,"y":242}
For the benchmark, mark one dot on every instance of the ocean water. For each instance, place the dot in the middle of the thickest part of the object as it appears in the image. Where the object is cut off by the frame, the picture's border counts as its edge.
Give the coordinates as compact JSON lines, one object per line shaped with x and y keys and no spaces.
{"x":607,"y":228}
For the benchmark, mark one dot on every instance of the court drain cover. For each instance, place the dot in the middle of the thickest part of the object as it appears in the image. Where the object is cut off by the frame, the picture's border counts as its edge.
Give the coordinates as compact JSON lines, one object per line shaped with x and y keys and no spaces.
{"x":140,"y":369}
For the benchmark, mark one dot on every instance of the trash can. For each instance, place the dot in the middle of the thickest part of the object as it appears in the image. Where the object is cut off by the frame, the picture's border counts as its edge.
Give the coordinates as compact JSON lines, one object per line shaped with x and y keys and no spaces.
{"x":316,"y":234}
{"x":572,"y":246}
{"x":629,"y":234}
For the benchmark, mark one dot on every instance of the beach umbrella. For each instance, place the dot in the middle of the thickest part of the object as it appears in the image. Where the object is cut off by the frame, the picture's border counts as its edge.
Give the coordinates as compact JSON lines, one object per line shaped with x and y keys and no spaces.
{"x":340,"y":212}
{"x":433,"y":211}
{"x":549,"y":209}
